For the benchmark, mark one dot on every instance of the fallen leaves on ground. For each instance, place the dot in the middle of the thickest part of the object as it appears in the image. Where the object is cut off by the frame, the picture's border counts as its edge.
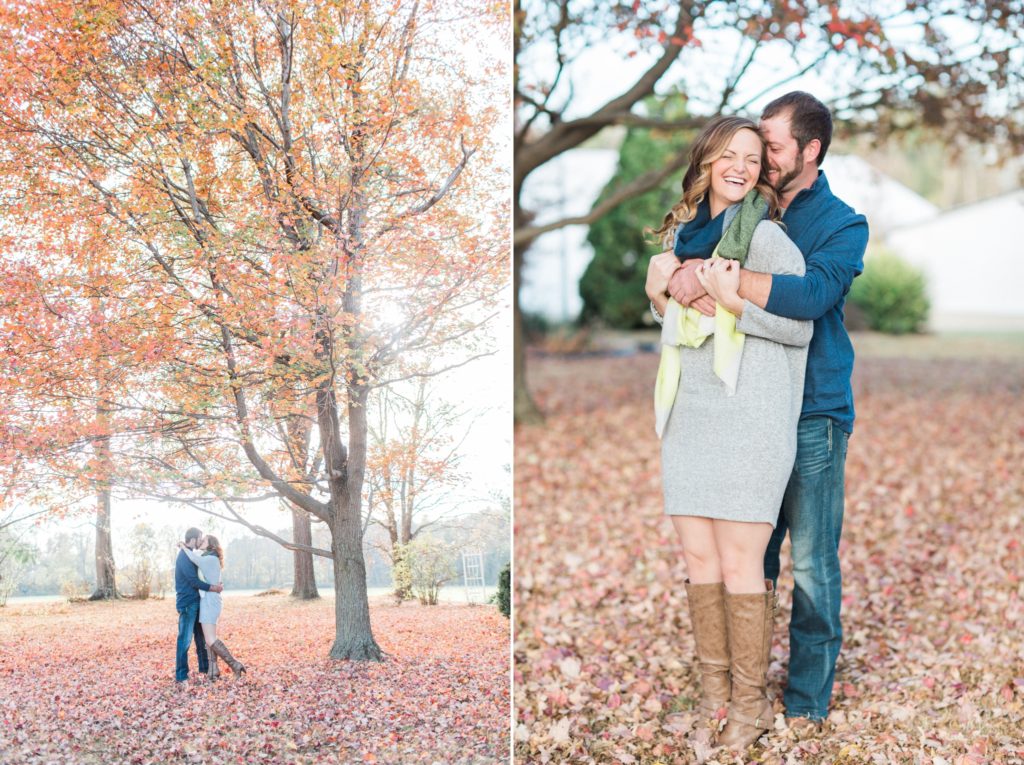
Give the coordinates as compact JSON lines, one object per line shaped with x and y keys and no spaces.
{"x":932,"y":666}
{"x":93,"y":683}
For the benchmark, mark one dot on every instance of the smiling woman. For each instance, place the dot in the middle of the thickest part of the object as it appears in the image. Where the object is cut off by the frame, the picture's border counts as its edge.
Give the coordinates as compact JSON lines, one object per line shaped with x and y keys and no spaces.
{"x":735,"y":172}
{"x":725,"y":144}
{"x":727,"y":412}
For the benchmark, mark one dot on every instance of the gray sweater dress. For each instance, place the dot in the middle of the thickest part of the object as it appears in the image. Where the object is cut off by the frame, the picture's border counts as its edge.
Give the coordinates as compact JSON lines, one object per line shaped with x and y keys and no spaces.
{"x":730,"y":457}
{"x":209,"y":602}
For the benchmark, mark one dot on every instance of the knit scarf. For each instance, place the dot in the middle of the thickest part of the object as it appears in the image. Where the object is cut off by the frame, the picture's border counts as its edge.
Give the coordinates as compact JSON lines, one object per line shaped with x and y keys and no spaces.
{"x":697,"y":238}
{"x":689,"y":327}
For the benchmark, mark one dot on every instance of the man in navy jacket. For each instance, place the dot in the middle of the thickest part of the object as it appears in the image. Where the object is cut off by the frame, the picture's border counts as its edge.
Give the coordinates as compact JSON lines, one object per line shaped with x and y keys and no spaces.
{"x":187,"y":585}
{"x":832,"y":238}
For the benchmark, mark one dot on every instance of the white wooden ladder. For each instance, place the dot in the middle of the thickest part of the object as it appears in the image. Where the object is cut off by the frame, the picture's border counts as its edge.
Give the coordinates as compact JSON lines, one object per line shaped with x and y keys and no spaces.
{"x":473,"y":576}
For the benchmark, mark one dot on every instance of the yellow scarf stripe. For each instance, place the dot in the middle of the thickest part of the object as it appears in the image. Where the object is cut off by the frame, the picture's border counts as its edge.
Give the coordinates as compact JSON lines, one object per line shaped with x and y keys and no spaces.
{"x":683,"y":328}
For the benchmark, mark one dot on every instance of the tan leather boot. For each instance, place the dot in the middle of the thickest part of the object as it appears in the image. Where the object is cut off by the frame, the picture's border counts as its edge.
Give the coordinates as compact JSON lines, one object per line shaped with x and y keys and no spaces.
{"x":750,"y":619}
{"x":214,"y":671}
{"x":707,"y":614}
{"x":221,"y":650}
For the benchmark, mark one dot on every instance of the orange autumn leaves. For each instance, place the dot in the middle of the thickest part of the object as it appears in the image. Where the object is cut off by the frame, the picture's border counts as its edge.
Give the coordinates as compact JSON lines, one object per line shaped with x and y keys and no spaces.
{"x":95,"y":681}
{"x":215,"y":197}
{"x":933,"y":595}
{"x":255,"y":215}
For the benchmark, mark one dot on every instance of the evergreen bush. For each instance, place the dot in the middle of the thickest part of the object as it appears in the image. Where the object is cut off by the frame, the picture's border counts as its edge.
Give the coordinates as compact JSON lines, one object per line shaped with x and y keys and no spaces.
{"x":505,"y":590}
{"x":892,"y":295}
{"x":612,"y":287}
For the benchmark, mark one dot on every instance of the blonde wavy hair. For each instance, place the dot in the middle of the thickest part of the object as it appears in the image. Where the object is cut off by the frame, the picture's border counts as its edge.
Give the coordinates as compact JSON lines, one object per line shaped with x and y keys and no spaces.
{"x":710,"y":145}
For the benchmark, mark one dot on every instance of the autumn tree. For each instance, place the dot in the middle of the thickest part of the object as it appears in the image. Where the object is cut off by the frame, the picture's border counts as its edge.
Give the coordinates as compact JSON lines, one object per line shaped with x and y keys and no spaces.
{"x":947,"y":67}
{"x":56,"y":429}
{"x":414,"y":462}
{"x":301,"y":197}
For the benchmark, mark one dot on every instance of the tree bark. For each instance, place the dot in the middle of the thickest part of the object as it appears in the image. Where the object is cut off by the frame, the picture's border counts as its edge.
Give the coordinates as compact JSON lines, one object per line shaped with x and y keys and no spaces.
{"x":297,"y":433}
{"x":524,"y":410}
{"x":106,"y":585}
{"x":304,"y":582}
{"x":353,"y":635}
{"x":105,"y":575}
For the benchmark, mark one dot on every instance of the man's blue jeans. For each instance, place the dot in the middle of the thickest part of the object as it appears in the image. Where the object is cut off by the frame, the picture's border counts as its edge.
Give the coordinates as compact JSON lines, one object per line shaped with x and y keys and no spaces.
{"x":812,"y":512}
{"x":189,"y":629}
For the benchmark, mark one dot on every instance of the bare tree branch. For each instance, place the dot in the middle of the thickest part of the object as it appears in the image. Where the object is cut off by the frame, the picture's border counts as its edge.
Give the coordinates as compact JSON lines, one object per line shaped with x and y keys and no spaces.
{"x":640,"y":185}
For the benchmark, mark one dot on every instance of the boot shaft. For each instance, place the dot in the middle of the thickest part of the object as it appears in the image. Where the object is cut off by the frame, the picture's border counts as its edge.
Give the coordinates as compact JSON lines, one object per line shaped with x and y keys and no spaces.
{"x":707,"y":615}
{"x":750,"y":636}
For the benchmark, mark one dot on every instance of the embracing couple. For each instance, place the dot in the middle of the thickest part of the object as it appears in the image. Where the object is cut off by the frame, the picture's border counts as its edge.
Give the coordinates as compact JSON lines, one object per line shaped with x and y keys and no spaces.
{"x":199,"y":605}
{"x":754,"y":423}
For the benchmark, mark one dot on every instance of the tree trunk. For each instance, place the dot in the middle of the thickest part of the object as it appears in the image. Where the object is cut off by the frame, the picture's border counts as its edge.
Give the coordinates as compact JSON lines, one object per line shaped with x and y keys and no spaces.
{"x":524,"y":410}
{"x":353,"y":635}
{"x":353,"y":638}
{"x":106,"y":586}
{"x":304,"y":586}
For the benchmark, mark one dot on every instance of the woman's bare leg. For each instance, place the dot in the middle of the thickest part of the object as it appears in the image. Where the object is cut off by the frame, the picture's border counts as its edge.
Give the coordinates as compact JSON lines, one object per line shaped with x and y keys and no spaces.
{"x":210,"y":637}
{"x":741,"y":547}
{"x":702,"y":560}
{"x":209,"y":633}
{"x":706,"y":603}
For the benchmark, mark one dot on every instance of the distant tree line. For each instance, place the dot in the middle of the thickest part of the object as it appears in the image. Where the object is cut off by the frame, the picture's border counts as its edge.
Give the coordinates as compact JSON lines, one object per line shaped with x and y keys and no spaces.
{"x":64,"y":563}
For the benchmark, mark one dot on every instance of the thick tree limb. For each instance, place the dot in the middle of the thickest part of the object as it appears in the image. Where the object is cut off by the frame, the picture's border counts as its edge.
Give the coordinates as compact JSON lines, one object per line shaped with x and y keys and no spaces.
{"x":649,"y":180}
{"x":566,"y":135}
{"x":262,"y":531}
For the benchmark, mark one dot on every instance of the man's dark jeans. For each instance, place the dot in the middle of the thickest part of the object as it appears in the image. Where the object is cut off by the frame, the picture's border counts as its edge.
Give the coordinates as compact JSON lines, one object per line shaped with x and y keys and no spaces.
{"x":189,"y":629}
{"x":812,"y":512}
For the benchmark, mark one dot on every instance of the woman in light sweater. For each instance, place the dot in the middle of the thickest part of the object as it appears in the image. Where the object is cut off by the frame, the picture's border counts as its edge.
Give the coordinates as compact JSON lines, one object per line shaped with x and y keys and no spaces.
{"x":209,"y":556}
{"x":728,"y":401}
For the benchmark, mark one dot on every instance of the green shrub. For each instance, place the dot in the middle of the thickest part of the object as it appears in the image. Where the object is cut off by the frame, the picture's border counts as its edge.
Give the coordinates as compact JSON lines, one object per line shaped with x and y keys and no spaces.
{"x":505,"y":590}
{"x":892,"y":295}
{"x":432,"y":565}
{"x":401,"y":574}
{"x":612,"y":287}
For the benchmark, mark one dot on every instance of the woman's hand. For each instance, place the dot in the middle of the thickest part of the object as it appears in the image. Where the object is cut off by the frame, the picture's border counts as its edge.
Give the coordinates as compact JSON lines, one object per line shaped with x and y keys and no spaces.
{"x":659,"y":271}
{"x":721,"y":278}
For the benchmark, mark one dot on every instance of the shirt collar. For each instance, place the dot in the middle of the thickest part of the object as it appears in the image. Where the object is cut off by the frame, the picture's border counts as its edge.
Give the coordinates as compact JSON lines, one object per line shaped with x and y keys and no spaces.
{"x":804,"y":195}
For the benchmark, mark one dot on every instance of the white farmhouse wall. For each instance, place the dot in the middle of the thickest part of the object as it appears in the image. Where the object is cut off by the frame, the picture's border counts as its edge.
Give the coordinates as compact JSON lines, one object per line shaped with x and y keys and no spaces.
{"x":566,"y":186}
{"x":973,"y":259}
{"x":884,"y":201}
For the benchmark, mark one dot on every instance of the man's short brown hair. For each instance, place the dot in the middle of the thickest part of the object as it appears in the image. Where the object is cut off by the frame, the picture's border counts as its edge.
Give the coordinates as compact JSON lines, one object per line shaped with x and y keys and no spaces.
{"x":809,"y":118}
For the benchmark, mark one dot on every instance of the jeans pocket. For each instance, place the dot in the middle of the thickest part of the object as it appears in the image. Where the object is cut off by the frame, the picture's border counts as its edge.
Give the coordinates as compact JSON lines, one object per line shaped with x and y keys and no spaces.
{"x":814,"y":445}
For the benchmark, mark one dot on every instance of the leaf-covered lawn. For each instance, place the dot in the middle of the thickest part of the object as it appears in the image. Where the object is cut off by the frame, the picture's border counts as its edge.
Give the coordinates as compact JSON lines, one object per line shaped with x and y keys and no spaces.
{"x":932,"y":668}
{"x":93,"y":683}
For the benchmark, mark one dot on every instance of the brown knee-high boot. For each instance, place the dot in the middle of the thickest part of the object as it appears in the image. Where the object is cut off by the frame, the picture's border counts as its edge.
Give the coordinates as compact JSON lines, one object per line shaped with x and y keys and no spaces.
{"x":750,"y":619}
{"x":707,"y":614}
{"x":214,"y":671}
{"x":221,"y":650}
